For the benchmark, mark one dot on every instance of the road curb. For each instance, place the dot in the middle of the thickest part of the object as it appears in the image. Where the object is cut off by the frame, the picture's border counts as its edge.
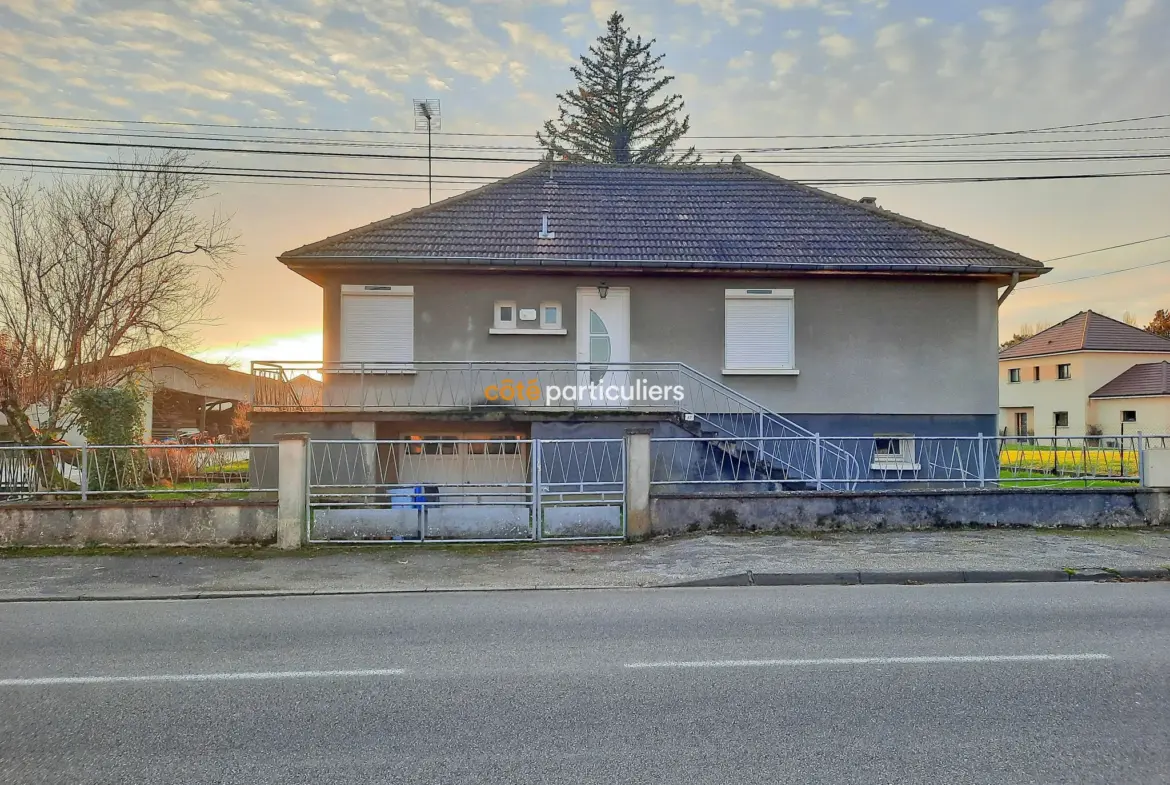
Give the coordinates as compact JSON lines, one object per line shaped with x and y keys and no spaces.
{"x":924,"y":577}
{"x":740,"y":579}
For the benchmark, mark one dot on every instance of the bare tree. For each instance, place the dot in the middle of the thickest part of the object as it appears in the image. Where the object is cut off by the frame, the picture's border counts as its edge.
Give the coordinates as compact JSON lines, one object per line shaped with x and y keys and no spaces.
{"x":92,"y":267}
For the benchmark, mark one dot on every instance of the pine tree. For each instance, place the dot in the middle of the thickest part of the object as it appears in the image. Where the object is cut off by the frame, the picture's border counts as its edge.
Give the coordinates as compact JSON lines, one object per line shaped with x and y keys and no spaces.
{"x":612,"y":115}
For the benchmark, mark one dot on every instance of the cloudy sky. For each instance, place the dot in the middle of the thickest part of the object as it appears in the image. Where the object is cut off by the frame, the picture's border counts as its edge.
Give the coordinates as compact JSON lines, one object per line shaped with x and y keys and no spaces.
{"x":794,"y":73}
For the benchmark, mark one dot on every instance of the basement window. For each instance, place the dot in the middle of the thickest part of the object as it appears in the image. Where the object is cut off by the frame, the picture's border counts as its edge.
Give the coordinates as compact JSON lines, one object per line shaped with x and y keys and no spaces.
{"x":894,"y":451}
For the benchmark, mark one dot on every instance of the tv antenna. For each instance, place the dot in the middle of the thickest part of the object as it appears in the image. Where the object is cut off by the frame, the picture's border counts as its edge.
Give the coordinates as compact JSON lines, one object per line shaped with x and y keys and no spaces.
{"x":428,"y":116}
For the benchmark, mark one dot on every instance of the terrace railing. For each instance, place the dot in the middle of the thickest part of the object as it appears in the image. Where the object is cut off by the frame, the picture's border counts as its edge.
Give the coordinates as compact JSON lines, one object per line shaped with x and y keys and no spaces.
{"x":717,"y":412}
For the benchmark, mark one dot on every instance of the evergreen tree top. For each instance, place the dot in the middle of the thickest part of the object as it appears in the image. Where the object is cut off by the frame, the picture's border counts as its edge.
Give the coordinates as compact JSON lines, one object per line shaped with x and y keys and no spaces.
{"x":617,"y":113}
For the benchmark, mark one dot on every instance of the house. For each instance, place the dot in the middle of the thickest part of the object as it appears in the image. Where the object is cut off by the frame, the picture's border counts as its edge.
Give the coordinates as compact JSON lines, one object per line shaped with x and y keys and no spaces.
{"x":580,"y":299}
{"x":1087,"y":372}
{"x":182,"y":394}
{"x":1137,"y":401}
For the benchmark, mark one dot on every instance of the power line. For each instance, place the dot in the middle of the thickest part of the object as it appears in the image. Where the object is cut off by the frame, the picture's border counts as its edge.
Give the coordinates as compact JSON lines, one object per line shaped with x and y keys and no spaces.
{"x":343,"y":175}
{"x":1071,"y":128}
{"x":261,"y":139}
{"x":315,"y":153}
{"x":1109,"y":248}
{"x":1096,"y":275}
{"x":199,"y":168}
{"x":494,"y":159}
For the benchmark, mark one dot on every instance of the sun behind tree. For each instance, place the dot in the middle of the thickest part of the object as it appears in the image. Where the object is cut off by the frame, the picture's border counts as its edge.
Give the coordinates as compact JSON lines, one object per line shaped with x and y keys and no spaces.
{"x":615,"y":114}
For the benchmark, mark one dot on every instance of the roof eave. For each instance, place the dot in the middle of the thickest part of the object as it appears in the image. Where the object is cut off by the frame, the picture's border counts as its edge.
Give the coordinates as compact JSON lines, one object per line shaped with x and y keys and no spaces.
{"x":569,"y":264}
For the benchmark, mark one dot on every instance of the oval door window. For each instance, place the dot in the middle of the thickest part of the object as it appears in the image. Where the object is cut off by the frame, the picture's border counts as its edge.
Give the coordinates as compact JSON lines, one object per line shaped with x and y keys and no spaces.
{"x":599,"y":348}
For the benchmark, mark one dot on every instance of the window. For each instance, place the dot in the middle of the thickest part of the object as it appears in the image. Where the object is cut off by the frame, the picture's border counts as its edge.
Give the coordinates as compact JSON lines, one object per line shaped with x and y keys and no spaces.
{"x":504,"y":445}
{"x":1129,"y":415}
{"x":505,"y":315}
{"x":1036,"y":373}
{"x":758,"y":331}
{"x":893,"y":451}
{"x":431,"y":444}
{"x":377,"y":324}
{"x":1022,"y":424}
{"x":1060,"y":419}
{"x":550,"y":316}
{"x":1014,"y":375}
{"x":1064,"y":371}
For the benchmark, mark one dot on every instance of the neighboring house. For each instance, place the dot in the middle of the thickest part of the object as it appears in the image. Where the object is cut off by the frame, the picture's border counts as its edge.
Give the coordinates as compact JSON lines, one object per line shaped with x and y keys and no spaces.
{"x":776,"y":308}
{"x":1088,"y":371}
{"x":182,"y":394}
{"x":1136,"y":401}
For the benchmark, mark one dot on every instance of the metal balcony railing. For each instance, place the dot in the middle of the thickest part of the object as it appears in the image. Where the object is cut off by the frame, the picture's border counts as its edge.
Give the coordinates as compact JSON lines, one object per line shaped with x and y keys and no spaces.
{"x":715,"y":410}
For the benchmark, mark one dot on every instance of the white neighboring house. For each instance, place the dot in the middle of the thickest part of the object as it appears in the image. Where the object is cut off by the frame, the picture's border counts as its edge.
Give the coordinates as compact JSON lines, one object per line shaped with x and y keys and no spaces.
{"x":1088,"y":371}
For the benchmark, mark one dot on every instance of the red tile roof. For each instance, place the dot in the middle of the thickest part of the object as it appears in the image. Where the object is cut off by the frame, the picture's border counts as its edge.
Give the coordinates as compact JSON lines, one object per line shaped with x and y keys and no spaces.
{"x":1087,"y":331}
{"x":1144,"y":379}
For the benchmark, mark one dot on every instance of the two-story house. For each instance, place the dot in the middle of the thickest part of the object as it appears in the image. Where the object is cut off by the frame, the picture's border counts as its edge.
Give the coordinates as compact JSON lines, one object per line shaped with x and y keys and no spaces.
{"x":576,"y":299}
{"x":1088,"y":372}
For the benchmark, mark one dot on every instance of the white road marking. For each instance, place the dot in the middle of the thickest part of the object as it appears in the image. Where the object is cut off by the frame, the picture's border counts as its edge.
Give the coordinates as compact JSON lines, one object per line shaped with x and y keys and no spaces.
{"x":971,"y":658}
{"x":164,"y":678}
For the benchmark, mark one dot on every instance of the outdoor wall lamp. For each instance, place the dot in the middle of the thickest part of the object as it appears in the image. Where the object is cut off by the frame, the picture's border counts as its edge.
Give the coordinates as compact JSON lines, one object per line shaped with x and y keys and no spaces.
{"x":602,"y":289}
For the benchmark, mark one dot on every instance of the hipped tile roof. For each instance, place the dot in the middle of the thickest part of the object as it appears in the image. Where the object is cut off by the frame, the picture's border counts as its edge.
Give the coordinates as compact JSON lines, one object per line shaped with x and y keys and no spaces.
{"x":1087,"y":331}
{"x":721,"y":216}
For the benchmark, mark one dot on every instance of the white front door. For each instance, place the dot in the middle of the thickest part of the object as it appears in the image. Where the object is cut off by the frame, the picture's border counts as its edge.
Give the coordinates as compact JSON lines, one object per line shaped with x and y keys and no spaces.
{"x":603,"y":341}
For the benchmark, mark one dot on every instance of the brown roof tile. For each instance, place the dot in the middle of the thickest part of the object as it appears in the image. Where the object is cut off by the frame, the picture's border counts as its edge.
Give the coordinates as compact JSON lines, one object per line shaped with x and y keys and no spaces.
{"x":1144,"y":379}
{"x":1087,"y":331}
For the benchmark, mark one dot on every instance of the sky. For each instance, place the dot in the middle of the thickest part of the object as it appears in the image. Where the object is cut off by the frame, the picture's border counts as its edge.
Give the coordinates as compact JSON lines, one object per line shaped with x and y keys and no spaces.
{"x":809,"y":71}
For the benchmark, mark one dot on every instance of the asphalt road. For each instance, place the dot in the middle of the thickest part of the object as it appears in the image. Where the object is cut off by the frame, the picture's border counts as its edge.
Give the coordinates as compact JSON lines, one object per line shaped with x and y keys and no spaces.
{"x":996,"y":684}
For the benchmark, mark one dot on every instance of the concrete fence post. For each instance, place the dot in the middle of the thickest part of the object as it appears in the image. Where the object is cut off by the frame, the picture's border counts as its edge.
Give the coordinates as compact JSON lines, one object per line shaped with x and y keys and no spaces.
{"x":292,"y":514}
{"x":1141,"y":459}
{"x":637,"y":484}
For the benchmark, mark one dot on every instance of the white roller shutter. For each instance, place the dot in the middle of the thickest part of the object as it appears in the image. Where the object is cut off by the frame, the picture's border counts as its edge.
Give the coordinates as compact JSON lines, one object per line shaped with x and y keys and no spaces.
{"x":377,"y":324}
{"x":758,"y":330}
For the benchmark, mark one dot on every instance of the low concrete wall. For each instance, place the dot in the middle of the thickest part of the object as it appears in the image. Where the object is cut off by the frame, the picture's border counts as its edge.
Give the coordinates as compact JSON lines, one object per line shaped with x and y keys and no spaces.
{"x":673,"y":513}
{"x":138,"y":523}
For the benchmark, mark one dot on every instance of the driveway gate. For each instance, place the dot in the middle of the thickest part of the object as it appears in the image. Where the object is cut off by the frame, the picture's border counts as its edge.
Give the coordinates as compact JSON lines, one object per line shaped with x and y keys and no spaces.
{"x":466,"y":490}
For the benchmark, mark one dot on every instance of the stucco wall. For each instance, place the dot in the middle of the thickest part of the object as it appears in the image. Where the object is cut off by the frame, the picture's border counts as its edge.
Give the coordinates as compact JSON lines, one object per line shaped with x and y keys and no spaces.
{"x":142,"y":523}
{"x":1153,"y":414}
{"x":675,"y":513}
{"x":866,"y":346}
{"x":1090,"y":370}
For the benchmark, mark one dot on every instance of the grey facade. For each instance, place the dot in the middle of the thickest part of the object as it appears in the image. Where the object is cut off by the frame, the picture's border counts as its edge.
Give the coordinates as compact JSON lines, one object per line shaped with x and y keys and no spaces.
{"x":862,"y":345}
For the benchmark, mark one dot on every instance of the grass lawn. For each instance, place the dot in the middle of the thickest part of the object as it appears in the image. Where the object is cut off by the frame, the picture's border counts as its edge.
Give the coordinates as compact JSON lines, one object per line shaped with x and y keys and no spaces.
{"x":1009,"y":478}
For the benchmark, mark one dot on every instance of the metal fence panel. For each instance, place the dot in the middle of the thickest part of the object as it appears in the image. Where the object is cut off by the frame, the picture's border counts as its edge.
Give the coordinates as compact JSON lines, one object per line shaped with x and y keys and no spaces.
{"x":582,"y":489}
{"x":899,"y":461}
{"x":157,"y":471}
{"x":466,"y":490}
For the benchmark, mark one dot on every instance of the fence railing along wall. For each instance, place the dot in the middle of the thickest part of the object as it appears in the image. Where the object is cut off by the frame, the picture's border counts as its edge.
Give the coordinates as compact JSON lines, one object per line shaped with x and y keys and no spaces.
{"x":900,"y":461}
{"x":136,"y":471}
